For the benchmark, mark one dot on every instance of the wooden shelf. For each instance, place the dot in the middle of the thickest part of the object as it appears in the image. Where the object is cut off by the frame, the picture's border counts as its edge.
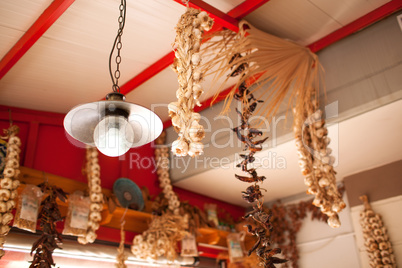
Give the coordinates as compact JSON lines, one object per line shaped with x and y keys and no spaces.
{"x":136,"y":221}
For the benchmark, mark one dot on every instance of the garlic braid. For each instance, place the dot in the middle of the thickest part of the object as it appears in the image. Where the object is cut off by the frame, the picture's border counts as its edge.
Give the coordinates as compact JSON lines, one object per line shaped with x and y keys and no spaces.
{"x":166,"y":230}
{"x":376,"y":239}
{"x":9,"y":183}
{"x":316,"y":162}
{"x":95,"y":195}
{"x":189,"y":31}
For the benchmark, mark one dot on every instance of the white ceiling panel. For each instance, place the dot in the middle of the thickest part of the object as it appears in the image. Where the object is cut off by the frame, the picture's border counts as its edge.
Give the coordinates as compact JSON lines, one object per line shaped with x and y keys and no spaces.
{"x":21,"y":14}
{"x":8,"y":37}
{"x":15,"y":19}
{"x":224,"y":5}
{"x":147,"y":36}
{"x":346,"y":11}
{"x":300,"y":21}
{"x":56,"y":76}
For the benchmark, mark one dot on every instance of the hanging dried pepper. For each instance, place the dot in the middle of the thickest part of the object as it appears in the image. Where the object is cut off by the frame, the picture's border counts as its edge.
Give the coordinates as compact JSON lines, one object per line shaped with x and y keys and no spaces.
{"x":246,"y":134}
{"x":48,"y":216}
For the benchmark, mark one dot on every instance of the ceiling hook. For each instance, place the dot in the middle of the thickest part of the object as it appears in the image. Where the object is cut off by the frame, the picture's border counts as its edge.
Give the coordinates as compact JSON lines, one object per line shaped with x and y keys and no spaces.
{"x":185,"y":2}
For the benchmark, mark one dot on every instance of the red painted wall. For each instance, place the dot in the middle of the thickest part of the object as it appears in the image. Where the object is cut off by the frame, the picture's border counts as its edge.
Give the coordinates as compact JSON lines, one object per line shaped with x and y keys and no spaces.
{"x":45,"y":147}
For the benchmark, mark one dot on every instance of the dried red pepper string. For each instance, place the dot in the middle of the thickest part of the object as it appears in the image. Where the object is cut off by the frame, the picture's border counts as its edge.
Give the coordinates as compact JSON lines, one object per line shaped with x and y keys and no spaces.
{"x":247,"y":136}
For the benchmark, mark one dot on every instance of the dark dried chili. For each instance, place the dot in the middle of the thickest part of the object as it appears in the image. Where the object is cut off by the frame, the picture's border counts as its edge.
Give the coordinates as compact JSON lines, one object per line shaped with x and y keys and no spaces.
{"x":246,"y":134}
{"x":50,"y":239}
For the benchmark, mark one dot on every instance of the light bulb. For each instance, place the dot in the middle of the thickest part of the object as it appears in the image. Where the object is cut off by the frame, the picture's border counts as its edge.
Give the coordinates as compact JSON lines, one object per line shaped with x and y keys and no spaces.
{"x":114,"y":135}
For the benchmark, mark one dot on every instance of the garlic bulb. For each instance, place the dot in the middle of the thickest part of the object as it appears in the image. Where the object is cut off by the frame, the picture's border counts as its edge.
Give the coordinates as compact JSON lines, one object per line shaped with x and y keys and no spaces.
{"x":9,"y":183}
{"x":316,"y":162}
{"x":164,"y":231}
{"x":377,"y":242}
{"x":189,"y":31}
{"x":95,"y":195}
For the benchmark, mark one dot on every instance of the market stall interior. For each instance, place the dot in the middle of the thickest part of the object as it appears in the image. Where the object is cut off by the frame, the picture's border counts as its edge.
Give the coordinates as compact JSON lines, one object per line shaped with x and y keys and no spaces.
{"x":258,"y":100}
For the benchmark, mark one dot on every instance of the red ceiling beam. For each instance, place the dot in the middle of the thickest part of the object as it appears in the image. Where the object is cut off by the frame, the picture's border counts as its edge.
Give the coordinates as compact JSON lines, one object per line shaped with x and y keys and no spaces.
{"x":218,"y":16}
{"x":357,"y":25}
{"x":40,"y":26}
{"x":236,"y":13}
{"x":246,"y":8}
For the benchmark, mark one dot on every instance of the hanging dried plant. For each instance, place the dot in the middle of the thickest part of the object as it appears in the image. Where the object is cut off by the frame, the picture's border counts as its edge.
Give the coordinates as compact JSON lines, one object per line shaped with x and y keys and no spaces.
{"x":162,"y":170}
{"x":95,"y":194}
{"x":281,"y":66}
{"x":247,"y":135}
{"x":316,"y":163}
{"x":48,"y":216}
{"x":9,"y":182}
{"x":121,"y":256}
{"x":168,"y":228}
{"x":280,"y":69}
{"x":287,"y":221}
{"x":161,"y":237}
{"x":189,"y":31}
{"x":376,"y":239}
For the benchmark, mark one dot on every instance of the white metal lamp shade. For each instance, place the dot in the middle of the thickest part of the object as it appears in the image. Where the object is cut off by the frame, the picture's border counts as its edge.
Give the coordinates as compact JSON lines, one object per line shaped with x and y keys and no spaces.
{"x":118,"y":124}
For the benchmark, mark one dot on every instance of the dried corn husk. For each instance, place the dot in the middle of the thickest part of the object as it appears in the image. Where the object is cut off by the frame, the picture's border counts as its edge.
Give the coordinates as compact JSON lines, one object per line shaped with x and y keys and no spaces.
{"x":92,"y":170}
{"x":9,"y":182}
{"x":278,"y":65}
{"x":376,"y":239}
{"x":189,"y":30}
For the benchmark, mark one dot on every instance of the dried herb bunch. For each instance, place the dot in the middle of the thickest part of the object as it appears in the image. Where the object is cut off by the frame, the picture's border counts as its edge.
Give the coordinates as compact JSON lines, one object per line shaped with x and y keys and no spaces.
{"x":189,"y":31}
{"x":9,"y":182}
{"x":167,"y":228}
{"x":316,"y":162}
{"x":49,"y":214}
{"x":247,"y":135}
{"x":92,"y":169}
{"x":376,"y":239}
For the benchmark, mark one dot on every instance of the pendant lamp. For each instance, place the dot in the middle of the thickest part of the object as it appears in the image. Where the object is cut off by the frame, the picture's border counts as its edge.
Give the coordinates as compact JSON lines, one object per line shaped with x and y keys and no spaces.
{"x":113,"y":126}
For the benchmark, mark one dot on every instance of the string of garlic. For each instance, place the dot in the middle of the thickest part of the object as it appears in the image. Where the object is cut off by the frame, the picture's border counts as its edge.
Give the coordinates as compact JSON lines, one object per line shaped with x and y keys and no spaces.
{"x":189,"y":30}
{"x":376,"y":239}
{"x":316,"y":162}
{"x":166,"y":230}
{"x":95,"y":195}
{"x":162,"y":161}
{"x":9,"y":183}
